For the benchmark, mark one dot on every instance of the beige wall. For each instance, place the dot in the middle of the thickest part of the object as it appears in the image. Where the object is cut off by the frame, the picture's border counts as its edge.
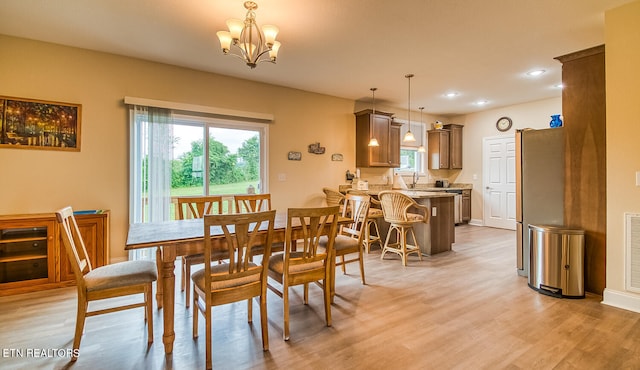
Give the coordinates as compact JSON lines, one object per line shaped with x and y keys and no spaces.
{"x":478,"y":126}
{"x":35,"y":181}
{"x":622,"y":40}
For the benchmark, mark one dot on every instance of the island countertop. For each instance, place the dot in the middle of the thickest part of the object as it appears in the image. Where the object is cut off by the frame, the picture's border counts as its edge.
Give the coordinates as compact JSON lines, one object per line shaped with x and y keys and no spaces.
{"x":417,"y":194}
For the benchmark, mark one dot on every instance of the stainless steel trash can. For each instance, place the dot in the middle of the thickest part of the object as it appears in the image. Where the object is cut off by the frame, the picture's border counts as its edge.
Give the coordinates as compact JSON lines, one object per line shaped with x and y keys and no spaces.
{"x":557,"y":260}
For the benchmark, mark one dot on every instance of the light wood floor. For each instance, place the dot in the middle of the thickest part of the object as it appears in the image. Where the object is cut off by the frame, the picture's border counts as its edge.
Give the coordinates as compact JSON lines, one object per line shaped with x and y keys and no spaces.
{"x":465,"y":309}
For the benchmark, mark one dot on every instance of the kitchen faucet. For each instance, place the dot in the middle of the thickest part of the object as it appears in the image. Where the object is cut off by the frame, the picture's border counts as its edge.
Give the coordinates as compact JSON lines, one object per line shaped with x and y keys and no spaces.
{"x":415,"y":179}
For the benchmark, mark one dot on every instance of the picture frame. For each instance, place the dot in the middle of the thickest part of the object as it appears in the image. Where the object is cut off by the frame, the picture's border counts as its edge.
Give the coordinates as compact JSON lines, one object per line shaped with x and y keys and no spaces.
{"x":294,"y":156}
{"x":337,"y":157}
{"x":39,"y":124}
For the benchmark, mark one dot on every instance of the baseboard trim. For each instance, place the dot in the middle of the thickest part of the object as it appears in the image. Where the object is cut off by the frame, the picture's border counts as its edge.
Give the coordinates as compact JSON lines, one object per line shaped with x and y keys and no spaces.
{"x":476,"y":222}
{"x":625,"y":300}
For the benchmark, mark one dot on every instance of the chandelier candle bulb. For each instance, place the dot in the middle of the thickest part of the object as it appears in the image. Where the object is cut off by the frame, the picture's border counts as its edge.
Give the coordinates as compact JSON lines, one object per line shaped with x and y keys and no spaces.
{"x":270,"y":33}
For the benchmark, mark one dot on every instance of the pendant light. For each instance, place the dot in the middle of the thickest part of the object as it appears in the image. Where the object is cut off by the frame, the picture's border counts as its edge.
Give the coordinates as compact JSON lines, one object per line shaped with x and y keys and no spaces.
{"x":409,"y":135}
{"x":421,"y":147}
{"x":372,"y":140}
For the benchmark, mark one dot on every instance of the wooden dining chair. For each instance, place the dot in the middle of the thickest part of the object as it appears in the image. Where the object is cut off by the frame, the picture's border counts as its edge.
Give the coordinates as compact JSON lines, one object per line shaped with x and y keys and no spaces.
{"x":350,"y":237}
{"x":306,"y":264}
{"x":372,"y":231}
{"x":108,"y":281}
{"x":252,"y":202}
{"x":238,"y":280}
{"x":396,"y":207}
{"x":195,"y":207}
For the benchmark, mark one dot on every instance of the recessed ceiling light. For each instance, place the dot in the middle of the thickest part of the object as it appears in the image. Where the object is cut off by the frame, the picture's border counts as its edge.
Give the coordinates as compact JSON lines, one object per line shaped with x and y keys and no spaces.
{"x":451,"y":94}
{"x":536,"y":72}
{"x":481,"y":102}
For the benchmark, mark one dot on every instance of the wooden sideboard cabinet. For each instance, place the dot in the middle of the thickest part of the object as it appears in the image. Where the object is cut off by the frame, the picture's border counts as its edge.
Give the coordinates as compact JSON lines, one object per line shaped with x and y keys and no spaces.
{"x":32,"y":256}
{"x":381,"y":126}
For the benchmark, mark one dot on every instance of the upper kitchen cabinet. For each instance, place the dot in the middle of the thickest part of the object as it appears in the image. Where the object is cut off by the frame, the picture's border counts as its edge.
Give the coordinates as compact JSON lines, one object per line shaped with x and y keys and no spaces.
{"x":445,"y":148}
{"x":438,"y":149}
{"x":381,"y":127}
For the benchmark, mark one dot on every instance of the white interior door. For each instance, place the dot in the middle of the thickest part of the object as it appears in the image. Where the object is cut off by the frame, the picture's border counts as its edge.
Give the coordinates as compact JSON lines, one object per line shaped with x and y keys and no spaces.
{"x":499,"y":182}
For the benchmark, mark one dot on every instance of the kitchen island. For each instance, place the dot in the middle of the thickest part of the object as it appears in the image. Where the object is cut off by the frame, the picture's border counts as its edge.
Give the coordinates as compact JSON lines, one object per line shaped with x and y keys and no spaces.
{"x":439,"y":234}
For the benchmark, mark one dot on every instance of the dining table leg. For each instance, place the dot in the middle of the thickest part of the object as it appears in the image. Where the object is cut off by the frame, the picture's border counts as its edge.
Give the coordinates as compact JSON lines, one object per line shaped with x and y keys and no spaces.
{"x":168,"y":299}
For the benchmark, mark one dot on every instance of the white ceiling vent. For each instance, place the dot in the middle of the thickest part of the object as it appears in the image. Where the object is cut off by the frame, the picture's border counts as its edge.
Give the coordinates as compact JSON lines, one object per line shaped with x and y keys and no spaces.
{"x":632,"y":242}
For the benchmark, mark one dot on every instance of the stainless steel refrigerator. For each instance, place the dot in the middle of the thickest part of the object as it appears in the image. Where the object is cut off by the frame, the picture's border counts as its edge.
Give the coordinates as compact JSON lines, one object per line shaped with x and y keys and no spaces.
{"x":539,"y":185}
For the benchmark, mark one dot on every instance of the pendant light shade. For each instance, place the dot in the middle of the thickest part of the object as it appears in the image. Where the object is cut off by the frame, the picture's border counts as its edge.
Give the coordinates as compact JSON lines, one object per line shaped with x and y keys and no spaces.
{"x":421,"y":147}
{"x":372,"y":140}
{"x":409,"y":135}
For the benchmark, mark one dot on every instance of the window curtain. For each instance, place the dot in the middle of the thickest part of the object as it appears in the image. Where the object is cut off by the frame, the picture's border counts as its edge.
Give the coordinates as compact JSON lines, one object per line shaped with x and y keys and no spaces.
{"x":151,"y":155}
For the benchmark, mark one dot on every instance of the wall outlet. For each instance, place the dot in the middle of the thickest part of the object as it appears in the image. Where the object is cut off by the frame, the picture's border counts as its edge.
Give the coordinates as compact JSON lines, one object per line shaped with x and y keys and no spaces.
{"x":282,"y":177}
{"x":434,"y":212}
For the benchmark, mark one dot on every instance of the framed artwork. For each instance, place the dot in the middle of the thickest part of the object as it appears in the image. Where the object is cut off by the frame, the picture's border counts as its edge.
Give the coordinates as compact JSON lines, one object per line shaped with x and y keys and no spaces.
{"x":37,"y":124}
{"x":294,"y":156}
{"x":336,"y":157}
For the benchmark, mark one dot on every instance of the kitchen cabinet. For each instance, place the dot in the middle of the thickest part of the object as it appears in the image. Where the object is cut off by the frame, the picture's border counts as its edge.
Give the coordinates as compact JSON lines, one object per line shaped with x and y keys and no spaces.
{"x":455,"y":146}
{"x":381,"y":126}
{"x":438,"y":149}
{"x":32,"y":256}
{"x":466,"y":205}
{"x":445,"y":148}
{"x":585,"y":185}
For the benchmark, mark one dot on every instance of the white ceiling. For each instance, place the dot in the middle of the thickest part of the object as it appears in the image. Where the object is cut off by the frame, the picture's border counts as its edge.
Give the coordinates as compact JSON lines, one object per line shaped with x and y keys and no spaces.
{"x":479,"y":48}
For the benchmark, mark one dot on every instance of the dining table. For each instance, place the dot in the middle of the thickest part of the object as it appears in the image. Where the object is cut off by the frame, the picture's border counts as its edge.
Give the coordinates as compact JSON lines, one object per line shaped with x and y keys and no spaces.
{"x":186,"y":237}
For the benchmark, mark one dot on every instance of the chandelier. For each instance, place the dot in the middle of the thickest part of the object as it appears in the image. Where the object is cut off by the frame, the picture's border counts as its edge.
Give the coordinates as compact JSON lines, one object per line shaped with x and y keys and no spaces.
{"x":253,"y":45}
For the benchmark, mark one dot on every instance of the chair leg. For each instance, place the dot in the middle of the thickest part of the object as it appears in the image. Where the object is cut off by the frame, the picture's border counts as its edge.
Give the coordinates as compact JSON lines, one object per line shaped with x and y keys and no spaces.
{"x":413,"y":234}
{"x":148,"y":300}
{"x":306,"y":293}
{"x":187,"y":283}
{"x":207,"y":319}
{"x":285,"y":301}
{"x":386,"y":243}
{"x":184,"y":270}
{"x":250,"y":310}
{"x":196,"y":313}
{"x":263,"y":320}
{"x":327,"y":297}
{"x":361,"y":258}
{"x":405,"y":250}
{"x":80,"y":317}
{"x":344,"y":266}
{"x":159,"y":289}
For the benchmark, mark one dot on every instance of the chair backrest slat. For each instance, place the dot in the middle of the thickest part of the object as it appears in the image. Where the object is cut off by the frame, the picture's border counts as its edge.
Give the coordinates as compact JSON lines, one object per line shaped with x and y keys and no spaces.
{"x":313,"y":222}
{"x":74,"y":245}
{"x":242,"y":233}
{"x":198,"y":206}
{"x":356,"y":208}
{"x":252,"y":202}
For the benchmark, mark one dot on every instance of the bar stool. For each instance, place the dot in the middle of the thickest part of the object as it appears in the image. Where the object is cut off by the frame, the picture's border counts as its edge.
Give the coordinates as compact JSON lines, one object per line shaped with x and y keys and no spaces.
{"x":395,"y":207}
{"x":371,"y":232}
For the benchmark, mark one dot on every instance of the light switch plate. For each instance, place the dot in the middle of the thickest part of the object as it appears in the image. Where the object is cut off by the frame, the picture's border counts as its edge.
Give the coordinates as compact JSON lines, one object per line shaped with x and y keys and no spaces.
{"x":637,"y":178}
{"x":434,"y":211}
{"x":282,"y":177}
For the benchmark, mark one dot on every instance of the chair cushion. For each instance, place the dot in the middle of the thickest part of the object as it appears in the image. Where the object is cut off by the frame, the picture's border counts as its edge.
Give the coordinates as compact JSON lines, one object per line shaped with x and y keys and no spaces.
{"x":413,"y":217}
{"x":121,"y":274}
{"x":276,"y":263}
{"x":375,"y":213}
{"x":216,"y":269}
{"x":342,"y":242}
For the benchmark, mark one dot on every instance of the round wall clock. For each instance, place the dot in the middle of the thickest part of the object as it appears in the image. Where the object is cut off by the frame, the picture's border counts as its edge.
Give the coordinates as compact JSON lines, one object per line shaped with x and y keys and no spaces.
{"x":504,"y":124}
